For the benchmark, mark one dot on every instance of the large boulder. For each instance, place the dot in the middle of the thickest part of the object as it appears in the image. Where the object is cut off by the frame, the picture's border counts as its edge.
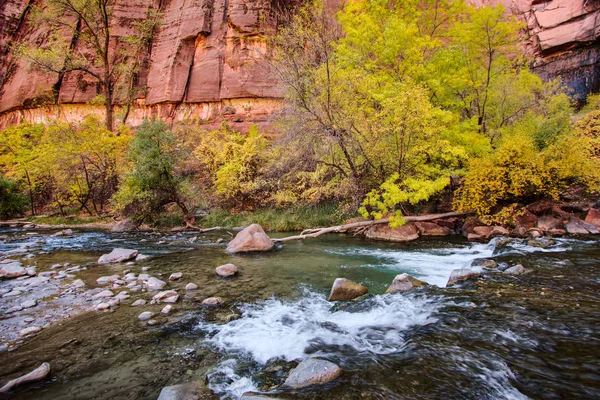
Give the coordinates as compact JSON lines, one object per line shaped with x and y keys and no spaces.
{"x":526,"y":218}
{"x":548,"y":222}
{"x":462,"y":274}
{"x":125,"y":225}
{"x":405,"y":233}
{"x":250,"y":239}
{"x":593,"y":217}
{"x":312,"y":372}
{"x":117,"y":255}
{"x":403,"y":283}
{"x":576,"y":226}
{"x":12,"y":270}
{"x":432,"y":229}
{"x":344,"y":289}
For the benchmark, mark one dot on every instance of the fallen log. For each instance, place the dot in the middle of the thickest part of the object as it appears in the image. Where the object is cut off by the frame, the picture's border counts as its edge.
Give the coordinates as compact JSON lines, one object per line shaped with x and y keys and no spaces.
{"x":316,"y":232}
{"x":37,"y":374}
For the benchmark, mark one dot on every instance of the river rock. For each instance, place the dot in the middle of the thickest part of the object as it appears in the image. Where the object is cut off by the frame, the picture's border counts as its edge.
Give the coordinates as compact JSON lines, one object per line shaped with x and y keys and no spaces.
{"x":227,"y":270}
{"x":403,"y":283}
{"x":191,"y":286}
{"x":484,"y":262}
{"x":405,"y":233}
{"x":31,"y":271}
{"x":29,"y":303}
{"x":64,"y":232}
{"x":103,"y":294}
{"x":250,"y":239}
{"x":130,"y":277}
{"x":176,"y":276}
{"x":139,"y":302}
{"x":167,"y":309}
{"x":541,"y":242}
{"x":184,"y":391}
{"x":462,"y":274}
{"x":312,"y":372}
{"x":145,"y":316}
{"x":499,"y":231}
{"x":141,"y":257}
{"x":103,"y":306}
{"x":78,"y":284}
{"x":515,"y":270}
{"x":576,"y":226}
{"x":117,"y":255}
{"x":212,"y":301}
{"x":37,"y":374}
{"x":154,"y":284}
{"x":483,"y":231}
{"x":12,"y":270}
{"x":104,"y":280}
{"x":29,"y":331}
{"x":344,"y":289}
{"x":432,"y":229}
{"x":593,"y":217}
{"x":124,"y":225}
{"x":548,"y":222}
{"x":168,"y":296}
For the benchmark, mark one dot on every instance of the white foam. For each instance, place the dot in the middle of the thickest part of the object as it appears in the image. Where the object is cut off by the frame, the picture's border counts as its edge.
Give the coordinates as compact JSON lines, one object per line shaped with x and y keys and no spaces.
{"x":430,"y":265}
{"x":280,"y":330}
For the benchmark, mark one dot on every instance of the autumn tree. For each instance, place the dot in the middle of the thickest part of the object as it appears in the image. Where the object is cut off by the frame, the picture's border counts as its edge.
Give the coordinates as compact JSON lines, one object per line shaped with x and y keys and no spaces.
{"x":91,"y":47}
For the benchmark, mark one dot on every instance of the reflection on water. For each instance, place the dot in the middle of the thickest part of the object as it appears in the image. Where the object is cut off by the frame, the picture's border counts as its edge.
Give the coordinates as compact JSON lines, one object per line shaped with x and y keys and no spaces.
{"x":533,"y":336}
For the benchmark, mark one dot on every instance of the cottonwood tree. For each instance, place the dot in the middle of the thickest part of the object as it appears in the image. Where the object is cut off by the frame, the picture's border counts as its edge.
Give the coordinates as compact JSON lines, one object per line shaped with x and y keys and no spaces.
{"x":81,"y":39}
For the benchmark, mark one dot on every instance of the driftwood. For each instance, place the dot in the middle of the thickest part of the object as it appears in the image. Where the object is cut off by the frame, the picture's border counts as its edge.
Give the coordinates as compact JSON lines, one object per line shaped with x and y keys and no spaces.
{"x":201,"y":230}
{"x":37,"y":374}
{"x":364,"y":225}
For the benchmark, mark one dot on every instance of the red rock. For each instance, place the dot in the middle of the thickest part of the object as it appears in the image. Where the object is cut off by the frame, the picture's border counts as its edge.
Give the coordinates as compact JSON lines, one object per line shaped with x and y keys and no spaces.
{"x":576,"y":226}
{"x":432,"y":229}
{"x":405,"y":233}
{"x":593,"y":217}
{"x":526,"y":218}
{"x":549,"y":222}
{"x":250,"y":239}
{"x":483,"y":231}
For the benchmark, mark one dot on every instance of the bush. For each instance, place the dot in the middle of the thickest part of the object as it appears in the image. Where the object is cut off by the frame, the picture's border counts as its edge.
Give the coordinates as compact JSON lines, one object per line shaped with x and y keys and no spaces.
{"x":12,"y":202}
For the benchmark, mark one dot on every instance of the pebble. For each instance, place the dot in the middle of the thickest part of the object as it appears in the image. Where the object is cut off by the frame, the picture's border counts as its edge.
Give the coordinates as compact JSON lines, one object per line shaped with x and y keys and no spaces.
{"x":145,"y":316}
{"x":29,"y":331}
{"x":191,"y":286}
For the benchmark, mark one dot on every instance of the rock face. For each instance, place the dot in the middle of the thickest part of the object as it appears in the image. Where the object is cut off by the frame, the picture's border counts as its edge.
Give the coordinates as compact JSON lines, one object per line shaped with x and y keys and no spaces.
{"x":118,"y":255}
{"x":250,"y":239}
{"x":404,"y":283}
{"x":405,"y":233}
{"x":344,"y":289}
{"x":312,"y":372}
{"x":205,"y":58}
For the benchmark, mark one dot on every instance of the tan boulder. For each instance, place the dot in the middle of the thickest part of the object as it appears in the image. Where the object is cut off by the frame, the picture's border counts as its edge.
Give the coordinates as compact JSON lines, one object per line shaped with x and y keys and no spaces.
{"x":250,"y":239}
{"x":403,"y":283}
{"x":405,"y":233}
{"x":344,"y":289}
{"x":432,"y":229}
{"x":312,"y":372}
{"x":226,"y":271}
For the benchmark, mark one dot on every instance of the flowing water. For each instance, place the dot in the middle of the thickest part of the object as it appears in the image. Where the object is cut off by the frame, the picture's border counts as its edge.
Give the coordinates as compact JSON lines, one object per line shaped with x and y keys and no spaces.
{"x":498,"y":337}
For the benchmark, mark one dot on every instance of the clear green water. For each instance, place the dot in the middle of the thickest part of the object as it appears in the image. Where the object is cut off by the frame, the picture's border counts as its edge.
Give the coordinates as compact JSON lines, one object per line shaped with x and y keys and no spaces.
{"x":497,"y":337}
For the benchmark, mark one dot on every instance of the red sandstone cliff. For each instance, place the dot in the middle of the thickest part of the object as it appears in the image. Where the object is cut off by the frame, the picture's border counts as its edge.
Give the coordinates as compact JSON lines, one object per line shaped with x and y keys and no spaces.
{"x":204,"y":60}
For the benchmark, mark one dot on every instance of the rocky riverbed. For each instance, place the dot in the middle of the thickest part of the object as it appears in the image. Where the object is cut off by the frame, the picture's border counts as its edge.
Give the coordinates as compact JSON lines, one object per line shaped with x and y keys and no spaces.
{"x":502,"y":316}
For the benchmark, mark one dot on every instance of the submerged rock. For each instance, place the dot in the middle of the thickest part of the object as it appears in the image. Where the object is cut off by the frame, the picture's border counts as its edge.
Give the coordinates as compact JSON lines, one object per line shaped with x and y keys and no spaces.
{"x":168,"y":296}
{"x":117,"y":256}
{"x":145,"y":316}
{"x":542,"y":243}
{"x":403,"y":283}
{"x":37,"y":374}
{"x":226,"y":271}
{"x":191,"y":286}
{"x":312,"y":372}
{"x":176,"y":276}
{"x":516,"y":270}
{"x":250,"y":239}
{"x":344,"y":289}
{"x":462,"y":274}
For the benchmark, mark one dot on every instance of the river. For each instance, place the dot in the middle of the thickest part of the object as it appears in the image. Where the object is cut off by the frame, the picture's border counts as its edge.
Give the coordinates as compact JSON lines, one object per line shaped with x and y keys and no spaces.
{"x":497,"y":337}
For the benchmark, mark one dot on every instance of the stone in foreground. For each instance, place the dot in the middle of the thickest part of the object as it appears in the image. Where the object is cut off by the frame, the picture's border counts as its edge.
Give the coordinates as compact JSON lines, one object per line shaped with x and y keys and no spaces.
{"x":185,"y":391}
{"x":462,"y":274}
{"x":403,"y":283}
{"x":312,"y":372}
{"x":250,"y":239}
{"x":117,"y":256}
{"x":344,"y":289}
{"x":37,"y":374}
{"x":226,"y":271}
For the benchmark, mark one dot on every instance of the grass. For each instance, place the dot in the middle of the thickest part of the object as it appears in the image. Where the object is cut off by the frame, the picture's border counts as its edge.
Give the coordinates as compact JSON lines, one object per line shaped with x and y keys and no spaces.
{"x":279,"y":220}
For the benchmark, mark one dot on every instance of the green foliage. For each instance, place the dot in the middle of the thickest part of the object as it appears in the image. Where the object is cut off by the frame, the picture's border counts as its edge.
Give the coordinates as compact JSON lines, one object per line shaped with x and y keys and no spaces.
{"x":152,"y":182}
{"x":12,"y":202}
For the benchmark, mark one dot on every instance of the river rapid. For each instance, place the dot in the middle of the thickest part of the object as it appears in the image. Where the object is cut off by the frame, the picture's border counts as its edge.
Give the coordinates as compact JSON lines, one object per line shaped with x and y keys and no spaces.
{"x":496,"y":337}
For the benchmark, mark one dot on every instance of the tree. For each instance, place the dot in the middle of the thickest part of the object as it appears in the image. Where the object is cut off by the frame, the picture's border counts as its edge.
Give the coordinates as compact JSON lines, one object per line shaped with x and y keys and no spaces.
{"x":152,"y":182}
{"x":92,"y":49}
{"x":12,"y":202}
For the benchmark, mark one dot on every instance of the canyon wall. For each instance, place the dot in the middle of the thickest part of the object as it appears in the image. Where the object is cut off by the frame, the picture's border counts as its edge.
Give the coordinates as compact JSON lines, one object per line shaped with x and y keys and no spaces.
{"x":206,"y":59}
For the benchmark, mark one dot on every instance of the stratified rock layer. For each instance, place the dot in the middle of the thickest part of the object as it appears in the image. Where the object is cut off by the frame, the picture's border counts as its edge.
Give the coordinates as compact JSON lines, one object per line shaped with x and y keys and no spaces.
{"x":206,"y":59}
